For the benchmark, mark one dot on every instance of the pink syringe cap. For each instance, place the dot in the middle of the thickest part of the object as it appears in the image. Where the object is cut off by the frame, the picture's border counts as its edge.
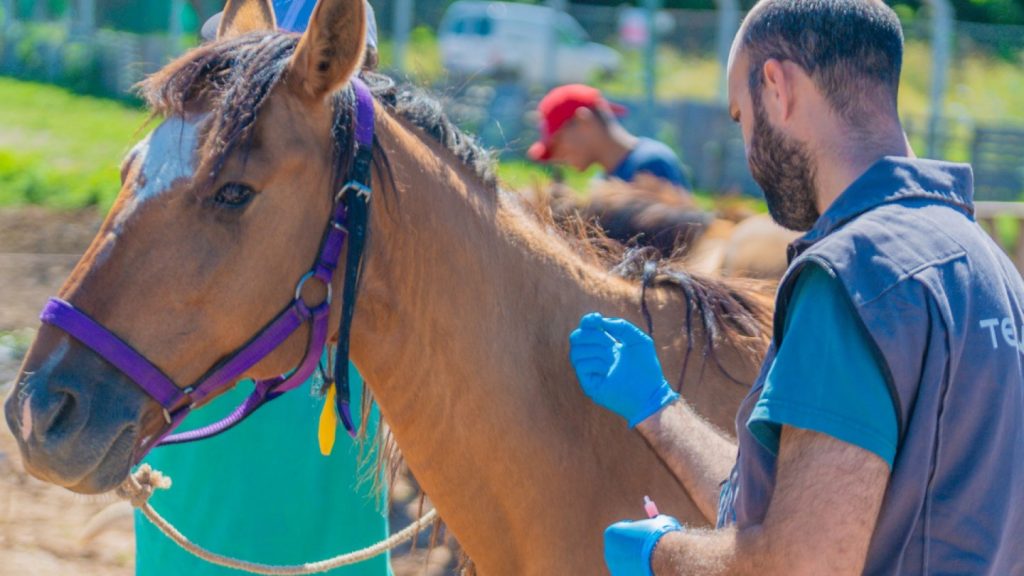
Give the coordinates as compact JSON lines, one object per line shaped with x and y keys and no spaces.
{"x":650,"y":507}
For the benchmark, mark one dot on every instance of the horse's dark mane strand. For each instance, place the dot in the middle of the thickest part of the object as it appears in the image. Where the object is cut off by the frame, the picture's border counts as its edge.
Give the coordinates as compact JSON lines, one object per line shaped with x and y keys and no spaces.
{"x":426,"y":113}
{"x":726,"y":310}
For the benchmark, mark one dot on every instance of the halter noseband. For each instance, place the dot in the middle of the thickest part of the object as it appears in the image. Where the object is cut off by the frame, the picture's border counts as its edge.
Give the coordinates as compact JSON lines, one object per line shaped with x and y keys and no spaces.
{"x":349,"y":219}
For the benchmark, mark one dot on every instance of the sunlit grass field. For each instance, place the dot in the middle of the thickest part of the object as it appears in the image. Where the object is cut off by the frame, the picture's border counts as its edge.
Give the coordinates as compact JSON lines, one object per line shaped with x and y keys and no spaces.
{"x":59,"y":149}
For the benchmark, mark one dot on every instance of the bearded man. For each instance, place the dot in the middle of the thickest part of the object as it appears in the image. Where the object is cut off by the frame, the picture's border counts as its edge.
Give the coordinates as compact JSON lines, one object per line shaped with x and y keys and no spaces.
{"x":885,"y":433}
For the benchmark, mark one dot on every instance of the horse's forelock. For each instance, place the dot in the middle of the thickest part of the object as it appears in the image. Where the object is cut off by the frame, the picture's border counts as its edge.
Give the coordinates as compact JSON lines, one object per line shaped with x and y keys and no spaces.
{"x":230,"y":78}
{"x":233,"y":77}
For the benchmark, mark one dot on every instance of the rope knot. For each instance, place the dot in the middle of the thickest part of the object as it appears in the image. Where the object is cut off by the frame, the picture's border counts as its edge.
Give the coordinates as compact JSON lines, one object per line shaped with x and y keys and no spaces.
{"x":138,"y":487}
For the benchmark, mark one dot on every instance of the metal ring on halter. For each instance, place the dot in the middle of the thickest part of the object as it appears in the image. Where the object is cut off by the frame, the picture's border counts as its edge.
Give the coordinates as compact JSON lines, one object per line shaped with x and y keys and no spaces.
{"x":362,"y":189}
{"x":167,"y":416}
{"x":302,"y":282}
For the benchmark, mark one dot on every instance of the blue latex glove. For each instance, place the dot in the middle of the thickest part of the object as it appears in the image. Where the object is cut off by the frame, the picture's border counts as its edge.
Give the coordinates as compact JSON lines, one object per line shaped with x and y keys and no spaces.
{"x":628,"y":545}
{"x":618,"y":368}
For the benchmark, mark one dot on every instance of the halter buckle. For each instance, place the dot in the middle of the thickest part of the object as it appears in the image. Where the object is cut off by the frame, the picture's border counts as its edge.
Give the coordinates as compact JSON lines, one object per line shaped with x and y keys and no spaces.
{"x":302,"y":282}
{"x":361,"y":189}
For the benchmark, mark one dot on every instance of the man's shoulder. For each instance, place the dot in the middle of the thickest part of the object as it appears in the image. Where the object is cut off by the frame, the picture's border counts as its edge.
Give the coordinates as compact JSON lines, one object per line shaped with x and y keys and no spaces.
{"x":655,"y":158}
{"x":891,"y":244}
{"x":647,"y":149}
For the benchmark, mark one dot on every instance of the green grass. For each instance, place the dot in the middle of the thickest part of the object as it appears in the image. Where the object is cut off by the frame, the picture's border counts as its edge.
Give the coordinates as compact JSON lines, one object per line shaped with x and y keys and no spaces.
{"x":422,"y":56}
{"x":17,"y":341}
{"x":678,"y":76}
{"x":981,"y":88}
{"x":1007,"y":229}
{"x":520,"y":174}
{"x":60,"y":149}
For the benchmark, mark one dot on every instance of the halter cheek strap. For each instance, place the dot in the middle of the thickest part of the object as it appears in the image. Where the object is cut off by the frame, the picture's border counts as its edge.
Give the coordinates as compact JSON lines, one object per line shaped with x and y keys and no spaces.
{"x":349,"y":219}
{"x":356,"y":196}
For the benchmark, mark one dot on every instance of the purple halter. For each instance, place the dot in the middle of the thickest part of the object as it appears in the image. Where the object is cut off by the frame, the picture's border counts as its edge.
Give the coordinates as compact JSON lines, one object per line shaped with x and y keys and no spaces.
{"x":350,"y":211}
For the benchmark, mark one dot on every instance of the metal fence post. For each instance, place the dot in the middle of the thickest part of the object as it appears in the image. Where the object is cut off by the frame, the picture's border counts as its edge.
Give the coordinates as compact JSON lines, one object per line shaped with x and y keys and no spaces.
{"x":174,"y":26}
{"x":551,"y":61}
{"x":402,"y":24}
{"x":728,"y":24}
{"x":942,"y":36}
{"x":40,"y":13}
{"x":84,"y":23}
{"x":650,"y":68}
{"x":8,"y":8}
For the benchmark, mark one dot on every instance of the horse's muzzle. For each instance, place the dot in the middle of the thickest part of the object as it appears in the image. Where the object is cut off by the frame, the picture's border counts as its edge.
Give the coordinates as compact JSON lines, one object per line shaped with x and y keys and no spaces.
{"x":75,"y":418}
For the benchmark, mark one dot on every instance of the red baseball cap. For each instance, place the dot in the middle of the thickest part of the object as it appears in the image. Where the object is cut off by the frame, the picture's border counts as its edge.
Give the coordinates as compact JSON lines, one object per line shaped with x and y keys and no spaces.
{"x":559,"y":106}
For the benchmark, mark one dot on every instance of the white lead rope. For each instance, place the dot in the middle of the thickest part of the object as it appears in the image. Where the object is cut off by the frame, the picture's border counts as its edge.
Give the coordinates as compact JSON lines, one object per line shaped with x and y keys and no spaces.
{"x":138,"y":487}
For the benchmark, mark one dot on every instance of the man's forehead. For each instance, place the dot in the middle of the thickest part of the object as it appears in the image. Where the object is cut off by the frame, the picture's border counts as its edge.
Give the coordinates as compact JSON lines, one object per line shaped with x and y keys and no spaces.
{"x":734,"y":50}
{"x":736,"y":69}
{"x":739,"y":57}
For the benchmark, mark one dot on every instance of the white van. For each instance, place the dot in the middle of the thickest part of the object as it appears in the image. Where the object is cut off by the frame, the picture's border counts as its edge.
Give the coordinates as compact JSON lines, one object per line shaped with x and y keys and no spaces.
{"x":496,"y":37}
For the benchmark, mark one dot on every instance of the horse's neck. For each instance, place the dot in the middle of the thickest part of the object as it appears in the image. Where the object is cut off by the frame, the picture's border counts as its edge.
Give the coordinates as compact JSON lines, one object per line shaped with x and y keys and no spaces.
{"x":462,"y":333}
{"x":460,"y":281}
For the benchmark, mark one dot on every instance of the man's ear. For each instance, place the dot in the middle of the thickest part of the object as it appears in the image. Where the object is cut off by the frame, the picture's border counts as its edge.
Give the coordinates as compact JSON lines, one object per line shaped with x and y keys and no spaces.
{"x":244,"y":16}
{"x":777,"y":94}
{"x":588,"y":119}
{"x":331,"y":49}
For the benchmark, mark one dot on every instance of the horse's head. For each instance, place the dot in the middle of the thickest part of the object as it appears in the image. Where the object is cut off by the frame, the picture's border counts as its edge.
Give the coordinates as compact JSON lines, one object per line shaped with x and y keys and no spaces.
{"x":220,"y":213}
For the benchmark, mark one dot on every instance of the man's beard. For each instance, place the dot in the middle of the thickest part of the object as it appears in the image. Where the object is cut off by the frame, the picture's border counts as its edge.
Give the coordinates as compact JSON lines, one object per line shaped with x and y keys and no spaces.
{"x":784,"y":169}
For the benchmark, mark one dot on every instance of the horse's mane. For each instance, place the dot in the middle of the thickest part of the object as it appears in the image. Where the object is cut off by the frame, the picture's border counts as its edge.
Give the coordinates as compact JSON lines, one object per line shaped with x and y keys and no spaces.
{"x":233,"y":77}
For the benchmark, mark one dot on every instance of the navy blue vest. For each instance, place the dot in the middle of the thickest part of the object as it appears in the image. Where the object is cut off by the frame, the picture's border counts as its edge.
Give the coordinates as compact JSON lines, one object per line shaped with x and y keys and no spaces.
{"x":944,"y":308}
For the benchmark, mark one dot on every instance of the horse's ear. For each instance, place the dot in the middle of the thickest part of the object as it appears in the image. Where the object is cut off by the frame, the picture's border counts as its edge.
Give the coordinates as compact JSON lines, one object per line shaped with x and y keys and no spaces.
{"x":331,"y":49}
{"x":244,"y":16}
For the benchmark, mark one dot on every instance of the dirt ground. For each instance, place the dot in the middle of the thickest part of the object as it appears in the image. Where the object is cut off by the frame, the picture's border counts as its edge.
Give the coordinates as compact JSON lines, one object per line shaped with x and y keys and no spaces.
{"x":49,"y":531}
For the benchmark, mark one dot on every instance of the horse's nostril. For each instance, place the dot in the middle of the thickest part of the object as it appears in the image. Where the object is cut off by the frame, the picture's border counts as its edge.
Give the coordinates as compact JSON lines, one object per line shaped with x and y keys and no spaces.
{"x":56,"y":418}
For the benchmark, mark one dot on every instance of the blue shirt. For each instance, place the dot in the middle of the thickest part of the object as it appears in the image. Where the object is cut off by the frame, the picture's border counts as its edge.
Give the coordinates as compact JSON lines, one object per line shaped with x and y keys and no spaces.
{"x":654,"y":158}
{"x":826,"y":377}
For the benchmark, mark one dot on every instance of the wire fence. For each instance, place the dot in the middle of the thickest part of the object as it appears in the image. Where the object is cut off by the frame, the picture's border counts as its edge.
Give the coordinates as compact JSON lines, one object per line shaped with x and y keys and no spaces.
{"x":982,"y":117}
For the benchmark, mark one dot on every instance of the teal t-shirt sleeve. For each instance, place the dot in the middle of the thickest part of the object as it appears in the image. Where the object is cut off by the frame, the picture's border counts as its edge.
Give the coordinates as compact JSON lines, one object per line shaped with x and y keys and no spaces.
{"x":825,"y":376}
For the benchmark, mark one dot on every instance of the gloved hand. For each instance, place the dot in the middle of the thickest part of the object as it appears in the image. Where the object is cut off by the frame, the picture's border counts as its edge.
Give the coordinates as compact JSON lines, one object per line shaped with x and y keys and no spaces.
{"x":618,"y":368}
{"x":628,"y":545}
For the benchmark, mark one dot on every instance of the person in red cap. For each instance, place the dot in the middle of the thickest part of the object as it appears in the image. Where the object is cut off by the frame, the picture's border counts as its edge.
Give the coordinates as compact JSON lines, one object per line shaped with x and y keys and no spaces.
{"x":579,"y":128}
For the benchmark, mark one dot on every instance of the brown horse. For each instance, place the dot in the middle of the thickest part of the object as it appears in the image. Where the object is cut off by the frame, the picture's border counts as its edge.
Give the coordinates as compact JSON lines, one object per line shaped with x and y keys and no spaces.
{"x":731,"y":242}
{"x":757,"y":249}
{"x":648,"y":212}
{"x":466,"y":301}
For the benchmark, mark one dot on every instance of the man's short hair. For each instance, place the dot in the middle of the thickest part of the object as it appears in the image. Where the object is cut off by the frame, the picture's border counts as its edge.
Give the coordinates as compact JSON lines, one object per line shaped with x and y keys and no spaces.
{"x":850,"y":48}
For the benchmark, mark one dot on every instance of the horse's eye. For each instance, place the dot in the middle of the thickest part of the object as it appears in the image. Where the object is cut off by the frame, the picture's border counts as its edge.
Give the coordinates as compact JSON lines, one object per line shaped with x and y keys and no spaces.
{"x":233,"y":195}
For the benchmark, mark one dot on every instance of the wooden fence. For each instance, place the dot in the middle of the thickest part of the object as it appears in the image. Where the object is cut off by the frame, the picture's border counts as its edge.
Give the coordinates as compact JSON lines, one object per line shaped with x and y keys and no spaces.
{"x":987,"y":212}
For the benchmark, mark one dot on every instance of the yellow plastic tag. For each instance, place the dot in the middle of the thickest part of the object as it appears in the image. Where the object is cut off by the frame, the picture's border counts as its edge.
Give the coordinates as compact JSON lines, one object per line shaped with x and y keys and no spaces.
{"x":328,"y":423}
